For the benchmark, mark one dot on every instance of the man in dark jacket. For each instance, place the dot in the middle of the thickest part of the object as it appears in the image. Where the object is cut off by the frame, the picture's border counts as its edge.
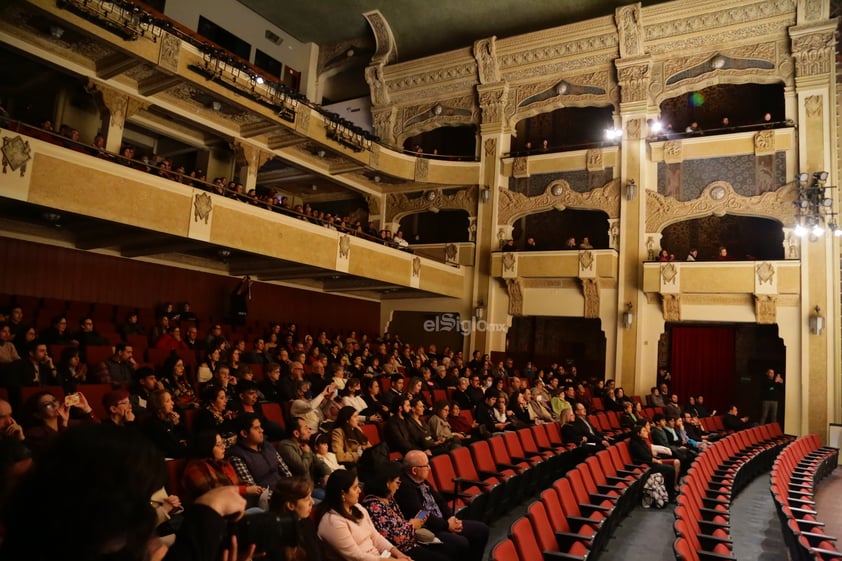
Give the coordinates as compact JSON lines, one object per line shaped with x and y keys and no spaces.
{"x":465,"y":538}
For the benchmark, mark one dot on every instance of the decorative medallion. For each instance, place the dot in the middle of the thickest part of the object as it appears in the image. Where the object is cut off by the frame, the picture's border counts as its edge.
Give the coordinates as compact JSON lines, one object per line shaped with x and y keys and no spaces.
{"x":344,"y":246}
{"x":586,"y":260}
{"x":202,"y":207}
{"x":16,"y":153}
{"x":509,"y":261}
{"x":718,"y":193}
{"x":668,"y":273}
{"x":416,"y":266}
{"x":765,"y":273}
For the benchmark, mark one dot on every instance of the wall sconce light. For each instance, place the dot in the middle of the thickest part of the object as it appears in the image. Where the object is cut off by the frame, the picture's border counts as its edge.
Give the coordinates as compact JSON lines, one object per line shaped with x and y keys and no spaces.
{"x":479,"y":311}
{"x":628,"y":315}
{"x":485,"y":194}
{"x":816,"y":322}
{"x":631,"y":190}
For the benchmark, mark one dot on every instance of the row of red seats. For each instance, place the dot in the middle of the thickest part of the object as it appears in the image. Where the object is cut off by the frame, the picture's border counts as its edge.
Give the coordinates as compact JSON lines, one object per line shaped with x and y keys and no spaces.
{"x":574,"y":518}
{"x":793,"y":478}
{"x":702,"y":525}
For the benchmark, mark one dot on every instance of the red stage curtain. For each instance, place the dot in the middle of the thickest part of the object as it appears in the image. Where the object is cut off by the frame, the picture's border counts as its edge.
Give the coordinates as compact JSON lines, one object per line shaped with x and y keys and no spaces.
{"x":703,"y":362}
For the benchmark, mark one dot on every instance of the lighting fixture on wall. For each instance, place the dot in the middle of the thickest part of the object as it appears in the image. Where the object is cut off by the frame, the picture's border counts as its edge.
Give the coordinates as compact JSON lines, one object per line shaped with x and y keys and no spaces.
{"x":628,"y":315}
{"x":479,"y":311}
{"x":816,"y":322}
{"x":631,"y":190}
{"x":484,"y":194}
{"x":814,"y":214}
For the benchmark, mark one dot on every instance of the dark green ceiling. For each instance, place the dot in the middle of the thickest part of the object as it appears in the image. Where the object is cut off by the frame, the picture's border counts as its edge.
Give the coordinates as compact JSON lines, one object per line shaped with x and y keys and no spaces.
{"x":427,"y":27}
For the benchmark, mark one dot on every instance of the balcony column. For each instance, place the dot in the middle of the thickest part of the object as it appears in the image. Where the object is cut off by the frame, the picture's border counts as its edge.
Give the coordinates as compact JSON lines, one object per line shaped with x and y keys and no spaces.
{"x":495,"y":140}
{"x":633,"y":368}
{"x":812,"y":395}
{"x":251,"y":159}
{"x":119,"y":107}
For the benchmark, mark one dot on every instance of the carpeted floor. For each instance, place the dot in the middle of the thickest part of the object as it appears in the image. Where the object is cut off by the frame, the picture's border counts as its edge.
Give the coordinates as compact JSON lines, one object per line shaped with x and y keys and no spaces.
{"x":828,"y":505}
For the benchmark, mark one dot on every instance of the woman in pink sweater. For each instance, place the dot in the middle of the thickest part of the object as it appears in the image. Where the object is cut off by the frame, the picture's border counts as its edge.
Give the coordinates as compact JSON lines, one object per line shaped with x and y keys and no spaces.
{"x":345,"y":527}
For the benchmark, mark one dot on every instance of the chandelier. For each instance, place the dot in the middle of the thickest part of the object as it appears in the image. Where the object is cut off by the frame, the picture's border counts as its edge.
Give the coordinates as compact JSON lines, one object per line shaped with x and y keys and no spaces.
{"x":814,"y":213}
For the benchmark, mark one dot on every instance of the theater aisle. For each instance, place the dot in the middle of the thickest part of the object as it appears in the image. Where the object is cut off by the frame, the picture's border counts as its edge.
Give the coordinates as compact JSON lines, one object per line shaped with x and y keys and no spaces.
{"x":755,"y":528}
{"x":644,"y":535}
{"x":828,"y":504}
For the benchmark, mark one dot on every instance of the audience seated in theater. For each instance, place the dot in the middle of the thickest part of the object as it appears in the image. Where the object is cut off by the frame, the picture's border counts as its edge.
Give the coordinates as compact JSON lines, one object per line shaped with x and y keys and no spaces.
{"x":351,"y":397}
{"x":347,"y":441}
{"x":24,"y":338}
{"x":292,"y":501}
{"x":171,"y":340}
{"x":503,"y":414}
{"x":396,"y":431}
{"x":71,"y":371}
{"x":692,"y":431}
{"x":57,"y":333}
{"x":671,"y":407}
{"x":191,"y":338}
{"x":37,"y":369}
{"x":214,"y":339}
{"x":460,"y":424}
{"x":538,"y":413}
{"x":637,"y":411}
{"x":105,"y":477}
{"x":465,"y":538}
{"x":255,"y":460}
{"x":460,"y":394}
{"x":395,"y":391}
{"x":132,"y":326}
{"x":440,"y":428}
{"x":372,"y":397}
{"x":486,"y":416}
{"x":209,"y":469}
{"x":246,"y":402}
{"x":300,"y":458}
{"x":702,"y":409}
{"x":663,"y":435}
{"x":119,"y":367}
{"x":314,"y":411}
{"x":270,"y":386}
{"x":175,"y":381}
{"x":415,"y":388}
{"x":145,"y":382}
{"x":558,"y":403}
{"x":641,"y":454}
{"x":321,"y":444}
{"x":215,"y":415}
{"x":9,"y":428}
{"x":655,"y":398}
{"x":691,"y":406}
{"x":345,"y":527}
{"x":87,"y":335}
{"x":165,"y":427}
{"x":290,"y":382}
{"x":733,"y":421}
{"x":620,"y":396}
{"x":8,"y":352}
{"x":627,"y":418}
{"x":118,"y":408}
{"x":390,"y":522}
{"x":47,"y":416}
{"x":223,"y":379}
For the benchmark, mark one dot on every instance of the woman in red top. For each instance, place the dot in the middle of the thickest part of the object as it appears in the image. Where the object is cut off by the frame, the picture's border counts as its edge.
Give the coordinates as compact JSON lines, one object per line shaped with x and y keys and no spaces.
{"x":210,"y":469}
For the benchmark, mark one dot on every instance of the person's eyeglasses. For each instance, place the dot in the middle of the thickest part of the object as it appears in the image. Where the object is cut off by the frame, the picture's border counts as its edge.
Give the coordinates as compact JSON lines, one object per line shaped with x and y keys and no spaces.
{"x":424,"y":466}
{"x":49,"y":405}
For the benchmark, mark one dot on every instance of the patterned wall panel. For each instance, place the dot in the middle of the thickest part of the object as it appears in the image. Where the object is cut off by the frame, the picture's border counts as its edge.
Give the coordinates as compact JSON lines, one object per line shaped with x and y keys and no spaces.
{"x":580,"y":181}
{"x":749,"y":174}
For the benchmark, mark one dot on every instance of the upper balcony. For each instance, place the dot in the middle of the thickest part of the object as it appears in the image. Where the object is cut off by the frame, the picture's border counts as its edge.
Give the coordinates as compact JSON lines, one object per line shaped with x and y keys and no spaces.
{"x":56,"y":194}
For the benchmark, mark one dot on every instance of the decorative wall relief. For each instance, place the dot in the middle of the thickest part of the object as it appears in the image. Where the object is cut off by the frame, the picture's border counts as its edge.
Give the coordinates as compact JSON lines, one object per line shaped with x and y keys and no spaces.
{"x":515,"y":290}
{"x":766,"y":308}
{"x":202,"y":207}
{"x":672,"y":307}
{"x":16,"y":153}
{"x":630,"y":29}
{"x":558,"y":195}
{"x":488,"y":67}
{"x":590,"y":289}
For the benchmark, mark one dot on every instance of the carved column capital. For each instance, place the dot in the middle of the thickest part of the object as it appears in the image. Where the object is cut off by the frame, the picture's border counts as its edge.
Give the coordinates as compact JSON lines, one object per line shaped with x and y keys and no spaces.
{"x":633,"y":77}
{"x":492,"y":101}
{"x":813,"y":49}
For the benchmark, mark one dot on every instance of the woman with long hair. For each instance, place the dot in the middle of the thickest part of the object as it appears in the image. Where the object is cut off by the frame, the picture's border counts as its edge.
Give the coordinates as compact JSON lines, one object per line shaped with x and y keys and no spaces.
{"x":48,"y":416}
{"x":347,"y":441}
{"x":210,"y":469}
{"x":346,"y":527}
{"x":292,"y":502}
{"x":387,"y":517}
{"x":70,"y":370}
{"x":351,"y":396}
{"x":215,"y":414}
{"x":174,"y":380}
{"x":164,"y":426}
{"x":371,"y":395}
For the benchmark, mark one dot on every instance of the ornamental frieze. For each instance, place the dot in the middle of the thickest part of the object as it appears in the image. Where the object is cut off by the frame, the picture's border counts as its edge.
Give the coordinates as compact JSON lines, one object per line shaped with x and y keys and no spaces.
{"x":719,"y":199}
{"x":720,"y":17}
{"x":463,"y":71}
{"x":568,"y":49}
{"x":399,"y":205}
{"x":715,"y":39}
{"x":558,"y":195}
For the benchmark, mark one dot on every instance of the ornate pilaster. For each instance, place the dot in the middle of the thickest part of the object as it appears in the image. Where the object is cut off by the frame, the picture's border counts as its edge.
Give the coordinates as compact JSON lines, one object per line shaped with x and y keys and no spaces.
{"x":384,"y":123}
{"x":251,"y":158}
{"x":492,"y":100}
{"x":119,"y":107}
{"x":633,"y":76}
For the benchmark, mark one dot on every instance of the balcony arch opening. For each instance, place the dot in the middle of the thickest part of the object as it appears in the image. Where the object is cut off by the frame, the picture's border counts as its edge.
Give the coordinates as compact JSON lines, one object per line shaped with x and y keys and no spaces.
{"x":568,"y":128}
{"x":445,"y":226}
{"x":459,"y":143}
{"x":552,"y":229}
{"x":745,"y":237}
{"x":568,"y":341}
{"x":745,"y":106}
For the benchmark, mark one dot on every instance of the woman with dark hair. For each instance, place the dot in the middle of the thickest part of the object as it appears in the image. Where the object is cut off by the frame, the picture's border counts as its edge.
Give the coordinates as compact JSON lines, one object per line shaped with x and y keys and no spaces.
{"x":292,"y":499}
{"x":371,"y":395}
{"x":440,"y":426}
{"x":70,"y":370}
{"x":347,"y":441}
{"x":419,"y":432}
{"x":351,"y":396}
{"x":215,"y":414}
{"x":57,"y":333}
{"x":164,"y":426}
{"x":175,"y":381}
{"x":390,"y":522}
{"x":209,"y":469}
{"x":346,"y":527}
{"x":48,"y":417}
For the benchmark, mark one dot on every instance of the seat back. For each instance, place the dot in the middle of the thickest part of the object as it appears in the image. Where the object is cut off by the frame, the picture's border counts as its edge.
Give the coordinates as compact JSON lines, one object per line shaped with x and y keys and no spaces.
{"x":483,"y":459}
{"x":273,"y":412}
{"x":371,"y":433}
{"x":553,"y":510}
{"x":443,"y":473}
{"x":513,"y":444}
{"x":544,"y":533}
{"x":527,"y":441}
{"x":505,"y":551}
{"x":525,"y":540}
{"x":464,"y":464}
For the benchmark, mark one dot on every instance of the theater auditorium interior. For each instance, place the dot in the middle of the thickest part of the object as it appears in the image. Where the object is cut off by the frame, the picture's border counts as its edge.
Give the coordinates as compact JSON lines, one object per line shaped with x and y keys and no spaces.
{"x":562,"y":199}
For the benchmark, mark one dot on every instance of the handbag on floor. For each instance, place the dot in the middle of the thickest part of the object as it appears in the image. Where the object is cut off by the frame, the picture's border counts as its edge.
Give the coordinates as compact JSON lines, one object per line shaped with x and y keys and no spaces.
{"x":654,"y":492}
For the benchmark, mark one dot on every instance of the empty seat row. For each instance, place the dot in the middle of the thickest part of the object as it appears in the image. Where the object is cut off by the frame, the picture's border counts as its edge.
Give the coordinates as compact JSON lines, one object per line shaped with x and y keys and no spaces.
{"x":794,"y":476}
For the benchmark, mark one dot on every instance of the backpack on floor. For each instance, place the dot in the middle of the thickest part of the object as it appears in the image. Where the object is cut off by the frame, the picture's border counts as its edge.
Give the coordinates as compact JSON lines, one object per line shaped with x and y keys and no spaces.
{"x":654,"y":492}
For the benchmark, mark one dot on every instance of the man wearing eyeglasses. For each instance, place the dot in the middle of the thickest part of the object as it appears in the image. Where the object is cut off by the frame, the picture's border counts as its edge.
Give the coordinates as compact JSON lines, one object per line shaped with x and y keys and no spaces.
{"x":466,"y":539}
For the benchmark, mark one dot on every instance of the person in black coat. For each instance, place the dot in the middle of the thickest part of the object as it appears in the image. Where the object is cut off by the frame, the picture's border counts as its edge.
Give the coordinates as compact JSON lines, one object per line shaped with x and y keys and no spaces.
{"x":582,"y":431}
{"x":414,"y":495}
{"x":641,"y":453}
{"x":396,"y":432}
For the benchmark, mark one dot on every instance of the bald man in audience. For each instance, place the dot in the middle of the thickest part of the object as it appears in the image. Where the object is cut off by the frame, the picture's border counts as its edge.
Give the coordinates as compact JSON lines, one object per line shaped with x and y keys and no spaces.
{"x":9,"y":428}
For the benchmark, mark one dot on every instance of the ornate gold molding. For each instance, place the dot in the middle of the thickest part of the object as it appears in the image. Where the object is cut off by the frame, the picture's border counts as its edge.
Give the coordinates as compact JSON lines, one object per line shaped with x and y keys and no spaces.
{"x":488,"y":67}
{"x":399,"y":205}
{"x":633,"y":77}
{"x":672,"y":306}
{"x":558,"y":195}
{"x":515,"y":290}
{"x":590,"y":290}
{"x":630,"y":30}
{"x":764,"y":143}
{"x":765,"y":308}
{"x":718,"y":199}
{"x":387,"y":48}
{"x":814,"y":53}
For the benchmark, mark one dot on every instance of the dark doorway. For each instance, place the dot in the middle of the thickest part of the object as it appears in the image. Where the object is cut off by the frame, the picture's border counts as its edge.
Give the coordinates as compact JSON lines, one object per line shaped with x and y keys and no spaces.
{"x":745,"y":237}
